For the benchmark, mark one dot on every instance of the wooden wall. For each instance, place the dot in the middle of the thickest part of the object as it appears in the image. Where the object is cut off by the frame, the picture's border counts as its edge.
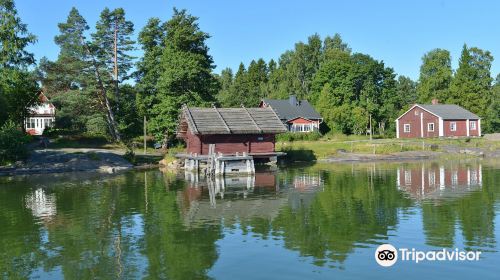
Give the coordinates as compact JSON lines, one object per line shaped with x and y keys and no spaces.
{"x":231,"y":143}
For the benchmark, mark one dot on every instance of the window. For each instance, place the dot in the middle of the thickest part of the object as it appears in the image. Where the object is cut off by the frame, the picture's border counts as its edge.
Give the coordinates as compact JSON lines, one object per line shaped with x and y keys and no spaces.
{"x":472,"y":125}
{"x":430,"y":127}
{"x":260,"y":138}
{"x":416,"y":112}
{"x":432,"y":178}
{"x":454,"y":178}
{"x":30,"y":123}
{"x":406,"y":127}
{"x":407,"y":177}
{"x":453,"y":126}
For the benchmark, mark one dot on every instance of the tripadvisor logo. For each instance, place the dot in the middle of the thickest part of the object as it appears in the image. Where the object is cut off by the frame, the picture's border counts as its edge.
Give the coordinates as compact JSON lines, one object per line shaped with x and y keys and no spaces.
{"x":387,"y":255}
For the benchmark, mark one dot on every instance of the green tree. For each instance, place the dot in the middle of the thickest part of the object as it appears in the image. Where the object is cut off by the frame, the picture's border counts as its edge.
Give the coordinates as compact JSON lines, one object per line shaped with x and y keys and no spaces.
{"x":406,"y":90}
{"x":149,"y":68}
{"x":187,"y":73}
{"x":112,"y":45}
{"x":18,"y":88}
{"x":493,"y":112}
{"x":471,"y":86}
{"x":435,"y":76}
{"x":225,"y":95}
{"x":14,"y":38}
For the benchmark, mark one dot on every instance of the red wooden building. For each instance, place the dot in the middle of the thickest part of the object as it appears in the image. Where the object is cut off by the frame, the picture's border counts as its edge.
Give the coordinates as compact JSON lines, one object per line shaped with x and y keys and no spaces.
{"x":297,"y":115}
{"x":230,"y":130}
{"x":437,"y":120}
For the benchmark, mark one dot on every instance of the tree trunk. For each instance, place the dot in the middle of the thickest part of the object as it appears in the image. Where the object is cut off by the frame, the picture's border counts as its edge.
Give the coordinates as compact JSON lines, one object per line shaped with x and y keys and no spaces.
{"x":115,"y":52}
{"x":113,"y":127}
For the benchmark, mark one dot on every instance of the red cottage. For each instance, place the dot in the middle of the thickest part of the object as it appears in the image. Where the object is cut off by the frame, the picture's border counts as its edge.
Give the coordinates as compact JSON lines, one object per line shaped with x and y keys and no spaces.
{"x":230,"y":130}
{"x":437,"y":120}
{"x":297,"y":115}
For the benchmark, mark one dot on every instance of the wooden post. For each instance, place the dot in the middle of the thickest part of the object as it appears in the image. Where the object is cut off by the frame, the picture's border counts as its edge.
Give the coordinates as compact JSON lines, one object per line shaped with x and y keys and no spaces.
{"x":145,"y":151}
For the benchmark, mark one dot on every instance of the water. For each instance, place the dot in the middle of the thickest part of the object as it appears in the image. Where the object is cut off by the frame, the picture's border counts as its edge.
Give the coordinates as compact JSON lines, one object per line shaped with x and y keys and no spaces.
{"x":303,"y":222}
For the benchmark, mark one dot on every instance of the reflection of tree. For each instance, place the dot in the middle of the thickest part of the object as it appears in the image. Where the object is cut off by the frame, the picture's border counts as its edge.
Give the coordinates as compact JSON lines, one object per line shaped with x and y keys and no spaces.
{"x":102,"y":229}
{"x":350,"y":209}
{"x":21,"y":236}
{"x":474,"y":213}
{"x":174,"y":251}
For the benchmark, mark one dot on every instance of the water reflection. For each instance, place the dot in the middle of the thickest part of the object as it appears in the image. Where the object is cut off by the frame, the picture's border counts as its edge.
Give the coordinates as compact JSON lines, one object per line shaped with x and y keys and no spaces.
{"x":178,"y":226}
{"x":433,"y":180}
{"x":42,"y":205}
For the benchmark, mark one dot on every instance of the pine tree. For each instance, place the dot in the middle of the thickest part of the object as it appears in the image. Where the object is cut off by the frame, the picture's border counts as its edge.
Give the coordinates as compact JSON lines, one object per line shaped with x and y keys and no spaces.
{"x":112,"y":45}
{"x":149,"y":67}
{"x":15,"y":38}
{"x":471,"y":85}
{"x":187,"y":76}
{"x":18,"y":87}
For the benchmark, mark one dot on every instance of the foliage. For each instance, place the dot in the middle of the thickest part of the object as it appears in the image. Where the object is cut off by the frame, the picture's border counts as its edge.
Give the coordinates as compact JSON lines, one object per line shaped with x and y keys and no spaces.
{"x":290,"y":136}
{"x":18,"y":89}
{"x":12,"y":143}
{"x":14,"y":38}
{"x":191,"y":84}
{"x":471,"y":85}
{"x":435,"y":76}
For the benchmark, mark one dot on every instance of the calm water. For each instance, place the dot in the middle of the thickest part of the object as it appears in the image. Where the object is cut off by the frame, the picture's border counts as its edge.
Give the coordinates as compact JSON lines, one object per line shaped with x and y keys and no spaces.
{"x":314,"y":222}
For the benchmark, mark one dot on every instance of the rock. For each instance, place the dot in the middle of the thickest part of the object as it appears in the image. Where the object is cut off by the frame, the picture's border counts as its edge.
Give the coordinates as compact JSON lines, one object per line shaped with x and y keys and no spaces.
{"x":163,"y":162}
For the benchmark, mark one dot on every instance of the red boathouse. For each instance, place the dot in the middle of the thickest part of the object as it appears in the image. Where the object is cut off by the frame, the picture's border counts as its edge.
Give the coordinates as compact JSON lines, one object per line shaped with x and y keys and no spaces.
{"x":437,"y":120}
{"x":230,"y":130}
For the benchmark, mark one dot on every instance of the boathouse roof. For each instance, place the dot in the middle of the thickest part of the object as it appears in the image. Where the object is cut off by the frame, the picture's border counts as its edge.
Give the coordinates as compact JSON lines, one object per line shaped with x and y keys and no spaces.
{"x":229,"y":121}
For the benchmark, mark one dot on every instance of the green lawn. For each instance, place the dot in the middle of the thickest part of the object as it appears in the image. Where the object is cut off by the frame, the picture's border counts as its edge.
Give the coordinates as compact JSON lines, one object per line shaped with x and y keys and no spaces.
{"x":325,"y":147}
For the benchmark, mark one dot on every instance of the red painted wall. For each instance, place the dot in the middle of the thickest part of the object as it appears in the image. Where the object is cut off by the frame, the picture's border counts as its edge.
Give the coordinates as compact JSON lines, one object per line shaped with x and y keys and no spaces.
{"x":461,"y":128}
{"x":230,"y":144}
{"x":474,"y":132}
{"x":414,"y":121}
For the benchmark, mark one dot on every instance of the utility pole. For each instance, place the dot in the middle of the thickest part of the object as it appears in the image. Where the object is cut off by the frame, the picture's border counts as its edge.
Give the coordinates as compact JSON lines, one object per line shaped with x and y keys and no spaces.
{"x":145,"y":121}
{"x":371,"y":127}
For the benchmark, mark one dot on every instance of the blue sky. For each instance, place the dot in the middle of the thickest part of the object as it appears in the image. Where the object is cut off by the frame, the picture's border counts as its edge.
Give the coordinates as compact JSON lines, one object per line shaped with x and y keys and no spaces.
{"x":397,"y":32}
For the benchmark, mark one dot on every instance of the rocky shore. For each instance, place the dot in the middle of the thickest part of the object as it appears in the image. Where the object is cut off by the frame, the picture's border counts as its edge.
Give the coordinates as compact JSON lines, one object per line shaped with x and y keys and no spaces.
{"x":69,"y":160}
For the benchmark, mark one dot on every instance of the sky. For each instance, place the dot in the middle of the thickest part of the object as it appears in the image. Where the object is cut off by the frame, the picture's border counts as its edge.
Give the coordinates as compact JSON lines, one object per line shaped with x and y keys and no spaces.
{"x":397,"y":32}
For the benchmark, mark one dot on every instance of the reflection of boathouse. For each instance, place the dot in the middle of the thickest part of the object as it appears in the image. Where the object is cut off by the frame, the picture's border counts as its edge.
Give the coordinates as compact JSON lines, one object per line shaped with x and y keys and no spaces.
{"x":230,"y":197}
{"x":432,"y":181}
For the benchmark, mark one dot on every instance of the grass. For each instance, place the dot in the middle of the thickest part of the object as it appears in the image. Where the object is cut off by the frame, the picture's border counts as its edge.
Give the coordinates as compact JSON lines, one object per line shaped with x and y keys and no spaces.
{"x":323,"y":149}
{"x":331,"y":145}
{"x":79,"y":141}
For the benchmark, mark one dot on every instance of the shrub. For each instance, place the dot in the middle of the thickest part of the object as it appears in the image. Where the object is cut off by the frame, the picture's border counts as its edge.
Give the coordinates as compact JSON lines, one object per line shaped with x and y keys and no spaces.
{"x":12,"y":143}
{"x":290,"y":136}
{"x":96,"y":126}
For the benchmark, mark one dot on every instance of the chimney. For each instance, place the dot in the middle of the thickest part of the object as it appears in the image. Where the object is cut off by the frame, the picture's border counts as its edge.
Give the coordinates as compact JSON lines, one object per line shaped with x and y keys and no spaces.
{"x":293,"y":100}
{"x":435,"y":101}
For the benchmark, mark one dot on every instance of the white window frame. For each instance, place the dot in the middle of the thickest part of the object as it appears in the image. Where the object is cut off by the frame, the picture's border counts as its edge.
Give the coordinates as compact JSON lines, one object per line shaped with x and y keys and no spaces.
{"x":453,"y":126}
{"x":407,"y":177}
{"x":472,"y":125}
{"x":406,"y":125}
{"x":429,"y":127}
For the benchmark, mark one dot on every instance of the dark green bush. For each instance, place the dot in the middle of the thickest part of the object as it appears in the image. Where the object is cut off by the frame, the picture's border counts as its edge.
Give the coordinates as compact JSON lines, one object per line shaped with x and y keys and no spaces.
{"x":298,"y":136}
{"x":12,"y":143}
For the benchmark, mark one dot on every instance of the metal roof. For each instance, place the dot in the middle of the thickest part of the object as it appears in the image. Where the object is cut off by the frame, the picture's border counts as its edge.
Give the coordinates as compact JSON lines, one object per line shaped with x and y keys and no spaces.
{"x":230,"y":121}
{"x":449,"y":111}
{"x":288,"y":111}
